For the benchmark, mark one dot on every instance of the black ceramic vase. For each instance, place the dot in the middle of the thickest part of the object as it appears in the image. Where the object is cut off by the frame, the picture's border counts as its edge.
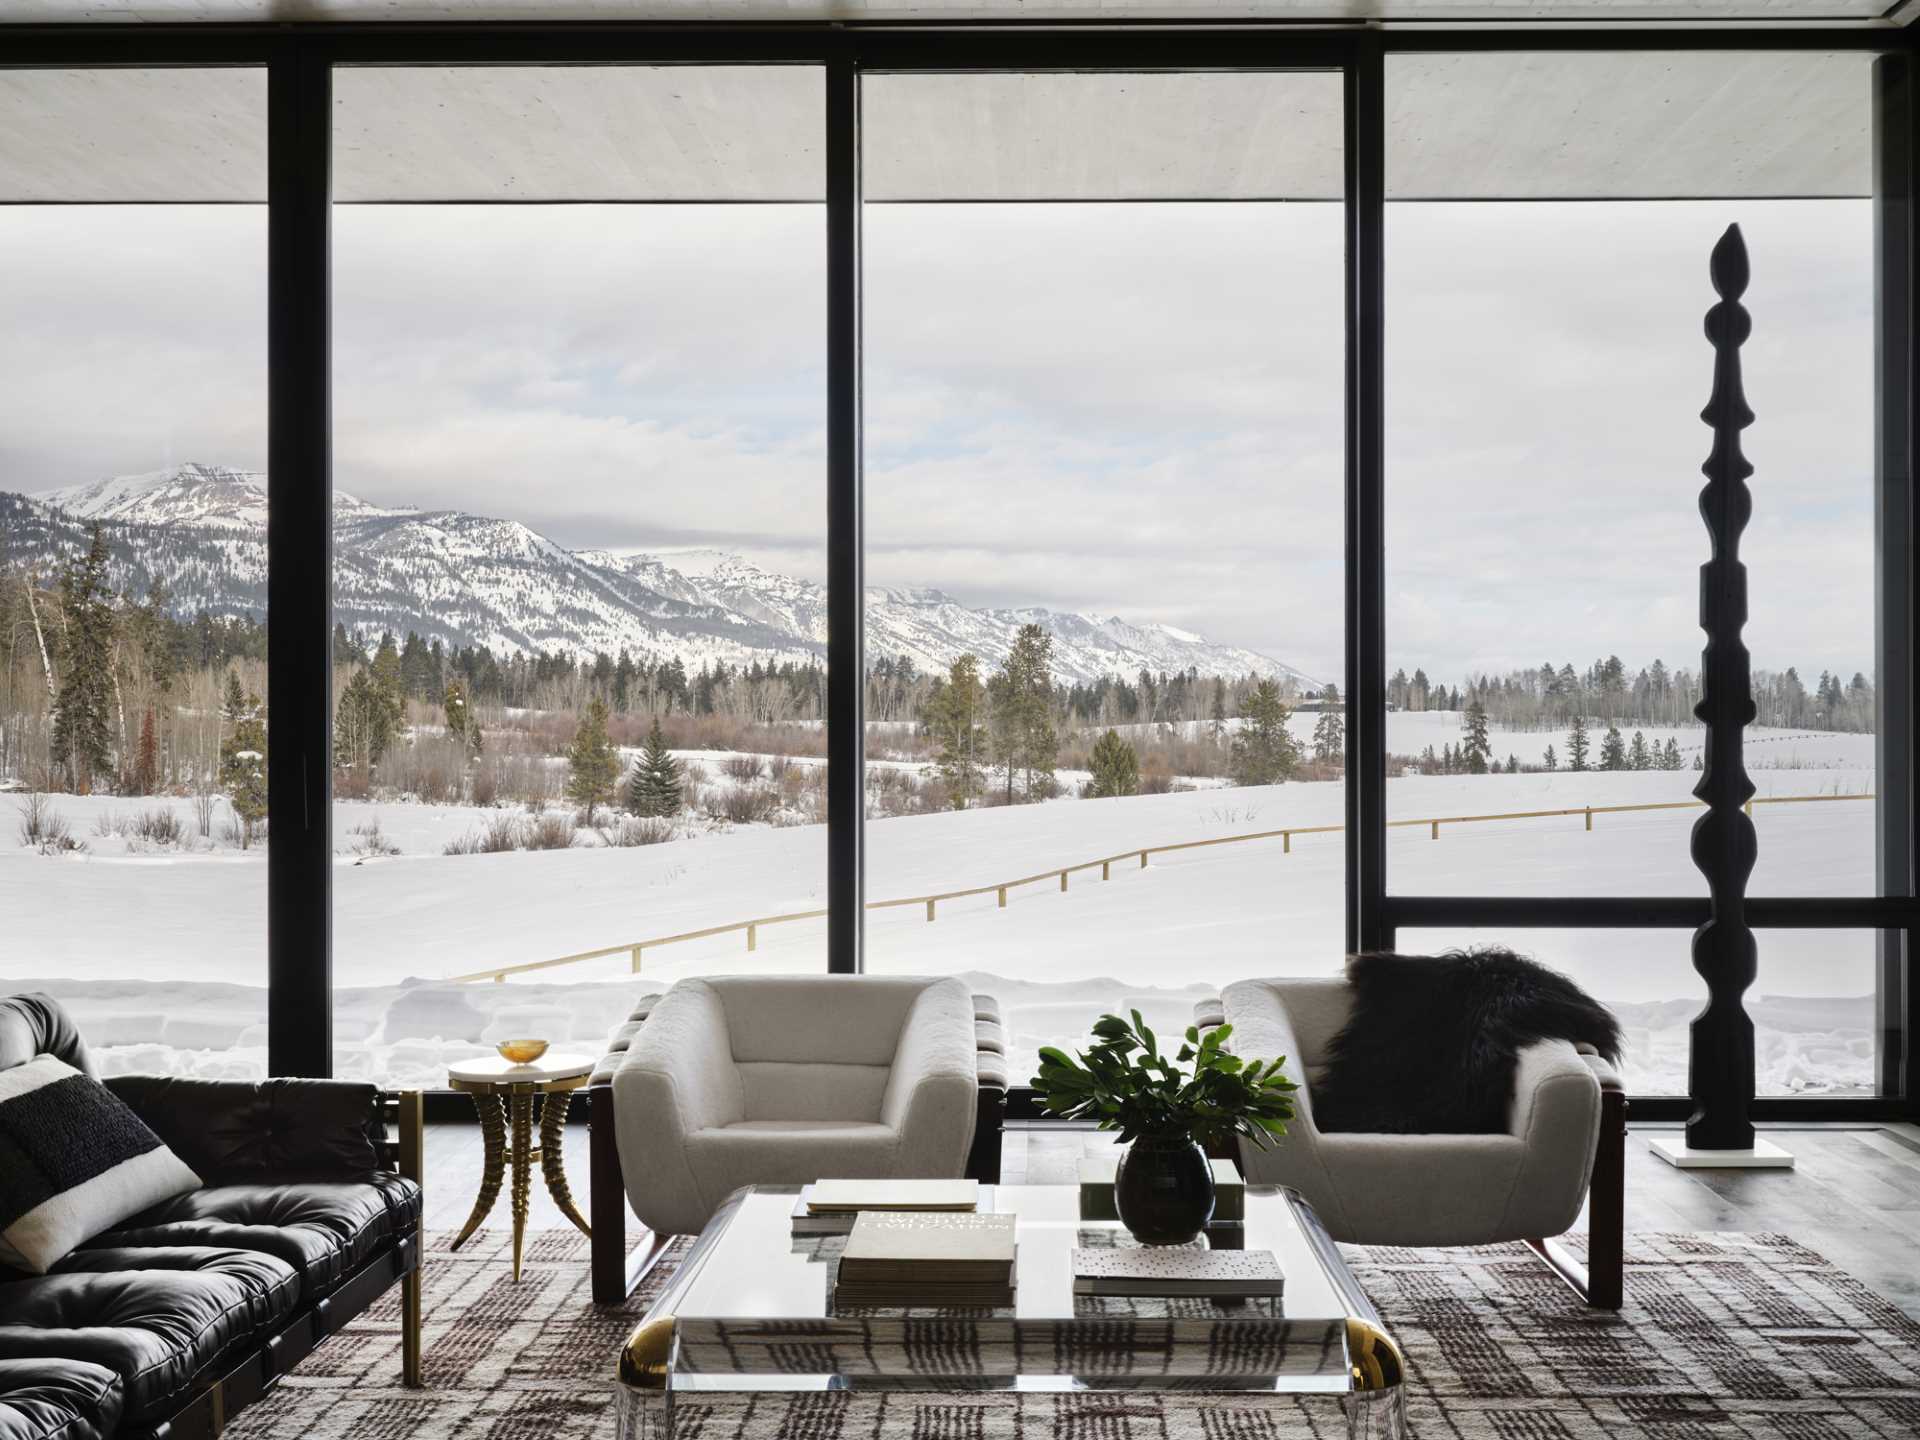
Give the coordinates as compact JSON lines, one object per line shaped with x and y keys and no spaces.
{"x":1164,"y":1190}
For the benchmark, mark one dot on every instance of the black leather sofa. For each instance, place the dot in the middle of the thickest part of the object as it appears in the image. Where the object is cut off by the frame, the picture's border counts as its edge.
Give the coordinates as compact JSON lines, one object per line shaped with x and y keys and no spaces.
{"x":166,"y":1325}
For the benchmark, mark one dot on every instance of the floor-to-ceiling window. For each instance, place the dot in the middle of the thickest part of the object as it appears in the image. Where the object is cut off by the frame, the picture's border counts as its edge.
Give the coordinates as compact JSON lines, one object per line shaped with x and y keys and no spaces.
{"x":134,"y":723}
{"x":1103,"y":362}
{"x":579,"y":380}
{"x":579,"y":547}
{"x":1548,"y":227}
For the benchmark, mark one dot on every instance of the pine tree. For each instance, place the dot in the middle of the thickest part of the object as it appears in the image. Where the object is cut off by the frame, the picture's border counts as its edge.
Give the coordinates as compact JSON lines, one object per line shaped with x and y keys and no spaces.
{"x":462,"y":724}
{"x":1613,"y":750}
{"x":1671,"y":761}
{"x":1264,"y":751}
{"x":1115,"y":766}
{"x":1577,"y":744}
{"x":1478,"y":749}
{"x":1637,"y":753}
{"x":243,"y":758}
{"x":146,"y":761}
{"x":80,"y":741}
{"x":593,"y":766}
{"x":1021,"y":727}
{"x":655,"y":790}
{"x":1330,"y":730}
{"x":1553,"y":761}
{"x":952,"y":717}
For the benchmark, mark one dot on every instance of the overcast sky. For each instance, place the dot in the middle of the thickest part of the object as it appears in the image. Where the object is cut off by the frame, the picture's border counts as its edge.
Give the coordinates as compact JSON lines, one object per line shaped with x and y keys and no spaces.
{"x":1130,"y":409}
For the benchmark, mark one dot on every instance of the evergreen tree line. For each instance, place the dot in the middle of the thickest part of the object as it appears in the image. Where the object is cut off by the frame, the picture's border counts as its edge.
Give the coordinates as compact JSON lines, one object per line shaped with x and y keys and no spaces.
{"x":766,"y":693}
{"x":108,"y":692}
{"x":1547,"y":698}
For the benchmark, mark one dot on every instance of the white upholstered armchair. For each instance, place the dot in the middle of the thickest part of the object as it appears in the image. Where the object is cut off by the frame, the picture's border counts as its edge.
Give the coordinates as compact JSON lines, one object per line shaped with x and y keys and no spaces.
{"x":1564,"y":1142}
{"x":783,"y":1080}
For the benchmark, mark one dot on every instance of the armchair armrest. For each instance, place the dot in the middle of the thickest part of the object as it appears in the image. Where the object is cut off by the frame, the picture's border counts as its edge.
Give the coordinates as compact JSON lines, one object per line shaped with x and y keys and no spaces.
{"x":1555,"y":1115}
{"x":1554,"y":1087}
{"x":932,"y":1092}
{"x":236,"y":1130}
{"x":1602,"y":1068}
{"x":676,"y":1079}
{"x":680,"y":1064}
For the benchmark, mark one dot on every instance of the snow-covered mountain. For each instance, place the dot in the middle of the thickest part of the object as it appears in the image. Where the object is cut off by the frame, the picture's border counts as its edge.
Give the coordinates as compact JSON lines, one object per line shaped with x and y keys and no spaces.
{"x":469,"y":579}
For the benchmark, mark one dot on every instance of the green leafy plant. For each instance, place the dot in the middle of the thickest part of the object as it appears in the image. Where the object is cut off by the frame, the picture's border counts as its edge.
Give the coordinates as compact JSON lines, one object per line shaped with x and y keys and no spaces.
{"x":1124,"y":1083}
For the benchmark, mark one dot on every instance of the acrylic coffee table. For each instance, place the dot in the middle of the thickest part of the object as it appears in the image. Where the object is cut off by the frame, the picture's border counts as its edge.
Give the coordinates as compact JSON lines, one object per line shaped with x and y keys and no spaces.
{"x":503,"y":1094}
{"x":750,"y":1308}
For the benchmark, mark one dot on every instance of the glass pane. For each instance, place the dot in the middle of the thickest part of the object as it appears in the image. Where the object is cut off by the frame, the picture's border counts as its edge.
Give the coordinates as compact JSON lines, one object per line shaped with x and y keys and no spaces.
{"x":1104,"y":539}
{"x":1815,"y":1030}
{"x":1645,"y":977}
{"x":1812,"y":1006}
{"x":133,"y":565}
{"x":580,"y":491}
{"x":1547,"y":276}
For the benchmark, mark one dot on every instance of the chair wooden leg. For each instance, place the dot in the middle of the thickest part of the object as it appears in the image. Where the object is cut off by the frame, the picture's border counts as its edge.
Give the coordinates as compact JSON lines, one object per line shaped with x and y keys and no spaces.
{"x":983,"y":1160}
{"x":606,"y":1199}
{"x":1607,"y":1207}
{"x":1601,"y":1282}
{"x":616,"y":1274}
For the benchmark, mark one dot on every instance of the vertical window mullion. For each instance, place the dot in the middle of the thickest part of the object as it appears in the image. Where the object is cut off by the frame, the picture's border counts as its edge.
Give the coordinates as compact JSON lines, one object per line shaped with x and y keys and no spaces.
{"x":846,"y":639}
{"x":1895,"y":115}
{"x":299,"y":566}
{"x":1366,"y":806}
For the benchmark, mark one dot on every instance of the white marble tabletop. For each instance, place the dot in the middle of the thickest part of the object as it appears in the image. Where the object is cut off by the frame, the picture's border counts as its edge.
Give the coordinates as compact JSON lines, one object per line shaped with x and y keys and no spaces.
{"x":493,"y":1070}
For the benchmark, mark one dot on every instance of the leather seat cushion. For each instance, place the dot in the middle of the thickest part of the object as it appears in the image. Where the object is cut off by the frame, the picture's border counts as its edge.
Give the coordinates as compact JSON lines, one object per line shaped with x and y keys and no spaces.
{"x":156,"y":1318}
{"x":324,"y":1230}
{"x":57,"y":1400}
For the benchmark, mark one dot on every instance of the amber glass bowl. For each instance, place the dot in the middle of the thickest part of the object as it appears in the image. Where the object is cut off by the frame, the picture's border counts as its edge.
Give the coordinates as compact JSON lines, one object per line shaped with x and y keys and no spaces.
{"x":521,"y":1052}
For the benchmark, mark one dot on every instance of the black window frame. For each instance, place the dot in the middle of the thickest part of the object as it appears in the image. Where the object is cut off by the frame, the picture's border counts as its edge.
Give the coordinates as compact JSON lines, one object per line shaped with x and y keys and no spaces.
{"x":299,"y":59}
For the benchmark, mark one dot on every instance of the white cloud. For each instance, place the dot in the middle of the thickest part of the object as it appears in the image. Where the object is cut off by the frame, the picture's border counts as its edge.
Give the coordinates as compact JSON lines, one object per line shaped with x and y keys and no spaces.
{"x":1119,"y":408}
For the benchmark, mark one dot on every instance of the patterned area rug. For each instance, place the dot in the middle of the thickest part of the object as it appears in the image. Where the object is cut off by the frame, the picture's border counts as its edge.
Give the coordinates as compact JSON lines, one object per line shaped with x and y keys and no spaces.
{"x":1722,"y":1336}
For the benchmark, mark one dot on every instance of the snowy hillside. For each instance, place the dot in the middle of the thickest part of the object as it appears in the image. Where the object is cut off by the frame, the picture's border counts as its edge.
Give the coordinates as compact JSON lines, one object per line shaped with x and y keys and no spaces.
{"x":468,"y":579}
{"x":1155,"y":937}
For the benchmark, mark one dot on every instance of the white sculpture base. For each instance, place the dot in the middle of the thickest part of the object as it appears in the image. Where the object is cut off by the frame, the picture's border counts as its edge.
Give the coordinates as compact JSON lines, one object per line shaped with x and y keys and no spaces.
{"x":1765,"y":1155}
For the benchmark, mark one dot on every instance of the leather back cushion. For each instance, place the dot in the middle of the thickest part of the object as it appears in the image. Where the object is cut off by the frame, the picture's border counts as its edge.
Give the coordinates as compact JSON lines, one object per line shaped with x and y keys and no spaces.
{"x":817,"y":1019}
{"x":779,"y":1091}
{"x":280,"y":1128}
{"x":35,"y":1024}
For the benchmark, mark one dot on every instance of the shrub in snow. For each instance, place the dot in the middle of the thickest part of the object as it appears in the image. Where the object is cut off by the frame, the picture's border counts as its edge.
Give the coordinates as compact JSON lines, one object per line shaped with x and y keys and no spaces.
{"x":40,"y":823}
{"x":368,"y":840}
{"x":549,"y":832}
{"x":632,"y":832}
{"x":744,"y":768}
{"x":742,"y":804}
{"x":160,"y":826}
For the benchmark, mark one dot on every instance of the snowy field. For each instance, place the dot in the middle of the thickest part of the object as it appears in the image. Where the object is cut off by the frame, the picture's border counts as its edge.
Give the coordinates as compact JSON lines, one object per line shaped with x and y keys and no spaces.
{"x":162,"y":953}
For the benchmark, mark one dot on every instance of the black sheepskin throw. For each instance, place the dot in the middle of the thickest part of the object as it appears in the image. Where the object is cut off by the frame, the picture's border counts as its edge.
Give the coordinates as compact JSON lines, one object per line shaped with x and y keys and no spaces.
{"x":1432,"y":1043}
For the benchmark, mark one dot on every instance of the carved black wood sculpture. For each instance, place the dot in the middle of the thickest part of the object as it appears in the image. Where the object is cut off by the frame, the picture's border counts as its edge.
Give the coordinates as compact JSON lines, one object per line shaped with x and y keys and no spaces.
{"x":1721,"y":1069}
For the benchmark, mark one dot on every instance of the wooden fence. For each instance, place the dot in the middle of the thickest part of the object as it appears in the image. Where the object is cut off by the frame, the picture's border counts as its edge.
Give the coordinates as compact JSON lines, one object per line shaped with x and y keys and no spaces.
{"x":634,"y":949}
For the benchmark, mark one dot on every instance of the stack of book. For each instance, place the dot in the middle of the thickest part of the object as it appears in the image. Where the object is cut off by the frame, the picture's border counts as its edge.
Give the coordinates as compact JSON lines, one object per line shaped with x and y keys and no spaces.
{"x":1177,"y":1270}
{"x":829,"y":1207}
{"x":896,"y":1258}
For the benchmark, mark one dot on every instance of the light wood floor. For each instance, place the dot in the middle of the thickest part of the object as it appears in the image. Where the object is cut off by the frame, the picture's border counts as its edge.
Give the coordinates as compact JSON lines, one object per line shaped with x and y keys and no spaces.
{"x":1855,"y":1196}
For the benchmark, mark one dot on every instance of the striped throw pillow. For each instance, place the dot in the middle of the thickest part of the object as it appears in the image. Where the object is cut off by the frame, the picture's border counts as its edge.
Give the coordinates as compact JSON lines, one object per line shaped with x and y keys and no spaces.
{"x":74,"y":1161}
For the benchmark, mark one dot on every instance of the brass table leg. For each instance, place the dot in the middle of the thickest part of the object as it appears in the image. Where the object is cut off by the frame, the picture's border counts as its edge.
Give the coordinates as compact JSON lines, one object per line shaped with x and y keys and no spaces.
{"x":522,"y":1105}
{"x":493,"y":1134}
{"x":553,"y":1131}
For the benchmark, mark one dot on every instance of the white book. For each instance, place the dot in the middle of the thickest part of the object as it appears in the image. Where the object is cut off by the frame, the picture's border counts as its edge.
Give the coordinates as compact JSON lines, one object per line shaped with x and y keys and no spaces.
{"x":890,"y":1246}
{"x":852,"y":1196}
{"x":1176,"y":1270}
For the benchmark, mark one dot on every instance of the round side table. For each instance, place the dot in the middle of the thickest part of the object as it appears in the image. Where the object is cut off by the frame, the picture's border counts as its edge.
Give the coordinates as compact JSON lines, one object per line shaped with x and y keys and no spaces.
{"x":503,"y":1095}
